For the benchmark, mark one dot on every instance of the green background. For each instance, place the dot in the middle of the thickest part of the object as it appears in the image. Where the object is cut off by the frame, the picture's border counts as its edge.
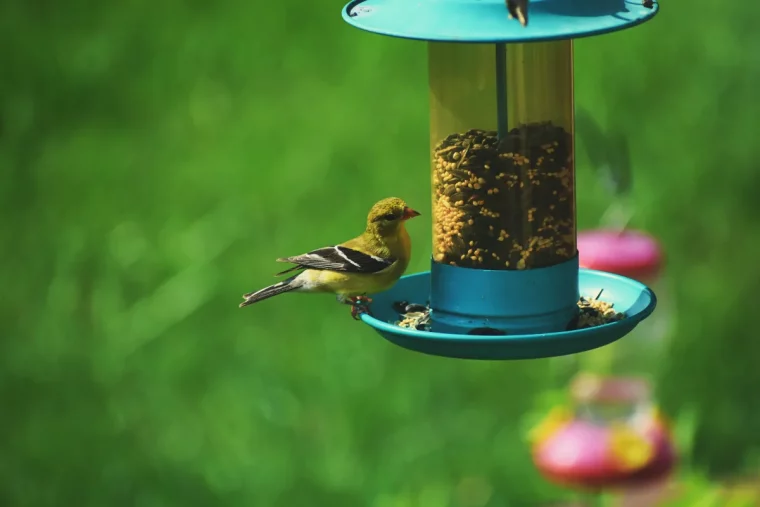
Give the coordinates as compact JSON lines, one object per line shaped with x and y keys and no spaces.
{"x":156,"y":157}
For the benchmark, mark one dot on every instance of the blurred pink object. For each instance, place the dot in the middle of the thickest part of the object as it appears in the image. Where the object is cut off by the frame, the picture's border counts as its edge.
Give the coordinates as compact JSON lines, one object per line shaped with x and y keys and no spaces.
{"x":630,"y":253}
{"x":579,"y":455}
{"x":583,"y":449}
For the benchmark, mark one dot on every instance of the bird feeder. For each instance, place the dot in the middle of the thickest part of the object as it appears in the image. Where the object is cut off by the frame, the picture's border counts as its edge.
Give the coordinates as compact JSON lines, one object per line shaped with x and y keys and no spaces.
{"x":505,"y":280}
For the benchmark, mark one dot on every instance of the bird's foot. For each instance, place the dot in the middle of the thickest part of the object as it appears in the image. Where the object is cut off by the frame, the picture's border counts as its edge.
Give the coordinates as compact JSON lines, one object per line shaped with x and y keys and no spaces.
{"x":359,"y":306}
{"x":360,"y":300}
{"x":357,"y":311}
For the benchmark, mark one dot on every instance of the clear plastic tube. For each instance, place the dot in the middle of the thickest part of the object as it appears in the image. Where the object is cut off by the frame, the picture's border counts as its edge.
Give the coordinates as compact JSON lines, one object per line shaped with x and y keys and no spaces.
{"x":503,"y":173}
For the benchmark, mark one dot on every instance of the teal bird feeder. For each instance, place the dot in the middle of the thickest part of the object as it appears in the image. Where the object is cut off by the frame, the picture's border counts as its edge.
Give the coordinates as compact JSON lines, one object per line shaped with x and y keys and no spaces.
{"x":505,"y":281}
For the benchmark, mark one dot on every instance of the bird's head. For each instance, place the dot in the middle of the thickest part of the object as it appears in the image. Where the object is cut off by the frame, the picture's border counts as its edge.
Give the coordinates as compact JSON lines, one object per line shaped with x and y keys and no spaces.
{"x":388,"y":214}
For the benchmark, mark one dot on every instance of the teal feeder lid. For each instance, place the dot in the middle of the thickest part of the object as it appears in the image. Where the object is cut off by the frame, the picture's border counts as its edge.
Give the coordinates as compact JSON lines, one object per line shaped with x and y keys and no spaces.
{"x":505,"y":281}
{"x":486,"y":20}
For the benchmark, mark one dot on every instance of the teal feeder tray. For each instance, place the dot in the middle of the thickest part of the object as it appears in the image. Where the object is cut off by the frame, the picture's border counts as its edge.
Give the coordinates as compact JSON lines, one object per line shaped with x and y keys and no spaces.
{"x":504,"y":280}
{"x":629,"y":296}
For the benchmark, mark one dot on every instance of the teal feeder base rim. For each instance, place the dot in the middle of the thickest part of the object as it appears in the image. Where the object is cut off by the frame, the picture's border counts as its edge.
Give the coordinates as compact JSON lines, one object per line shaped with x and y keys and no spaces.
{"x":627,"y":295}
{"x":515,"y":301}
{"x":486,"y":21}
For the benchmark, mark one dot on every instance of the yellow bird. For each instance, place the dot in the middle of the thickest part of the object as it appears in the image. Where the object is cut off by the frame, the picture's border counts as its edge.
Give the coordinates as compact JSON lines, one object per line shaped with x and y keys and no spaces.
{"x":369,"y":263}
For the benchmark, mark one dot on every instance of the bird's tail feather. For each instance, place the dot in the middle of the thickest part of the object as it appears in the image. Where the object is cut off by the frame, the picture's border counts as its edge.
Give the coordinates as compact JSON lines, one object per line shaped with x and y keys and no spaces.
{"x":271,"y":291}
{"x":294,"y":268}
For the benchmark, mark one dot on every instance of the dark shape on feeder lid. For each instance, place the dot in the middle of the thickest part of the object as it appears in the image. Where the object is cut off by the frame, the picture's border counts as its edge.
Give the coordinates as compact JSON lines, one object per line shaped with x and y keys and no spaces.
{"x":518,"y":9}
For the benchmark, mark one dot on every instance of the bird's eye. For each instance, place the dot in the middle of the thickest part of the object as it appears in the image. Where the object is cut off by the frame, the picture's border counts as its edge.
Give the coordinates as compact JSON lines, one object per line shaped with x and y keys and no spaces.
{"x":389,"y":217}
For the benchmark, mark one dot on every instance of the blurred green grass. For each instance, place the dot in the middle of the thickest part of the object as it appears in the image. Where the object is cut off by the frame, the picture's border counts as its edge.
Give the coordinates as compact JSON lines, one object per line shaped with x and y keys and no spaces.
{"x":155,"y":159}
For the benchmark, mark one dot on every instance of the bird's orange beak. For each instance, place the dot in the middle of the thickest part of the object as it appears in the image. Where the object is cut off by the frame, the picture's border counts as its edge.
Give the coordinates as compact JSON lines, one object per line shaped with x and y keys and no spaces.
{"x":410,"y":213}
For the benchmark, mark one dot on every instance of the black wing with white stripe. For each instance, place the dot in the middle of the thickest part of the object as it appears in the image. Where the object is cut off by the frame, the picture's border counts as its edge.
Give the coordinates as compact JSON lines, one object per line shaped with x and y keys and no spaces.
{"x":338,"y":258}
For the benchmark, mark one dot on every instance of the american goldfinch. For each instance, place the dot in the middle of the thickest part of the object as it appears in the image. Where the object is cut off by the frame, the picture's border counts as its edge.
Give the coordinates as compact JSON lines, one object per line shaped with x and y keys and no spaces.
{"x":369,"y":263}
